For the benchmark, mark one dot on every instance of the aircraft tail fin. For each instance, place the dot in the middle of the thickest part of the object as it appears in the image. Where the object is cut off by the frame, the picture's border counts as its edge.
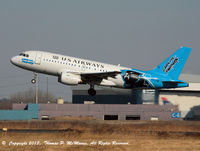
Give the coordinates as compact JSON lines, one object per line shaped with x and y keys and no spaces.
{"x":173,"y":65}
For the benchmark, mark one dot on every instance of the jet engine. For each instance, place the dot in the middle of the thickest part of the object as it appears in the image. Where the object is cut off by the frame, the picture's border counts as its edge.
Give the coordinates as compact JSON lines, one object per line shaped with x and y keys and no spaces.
{"x":69,"y":79}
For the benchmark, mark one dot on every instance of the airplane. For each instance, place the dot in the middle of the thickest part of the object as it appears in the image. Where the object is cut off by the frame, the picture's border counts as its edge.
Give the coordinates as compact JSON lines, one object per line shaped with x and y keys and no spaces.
{"x":74,"y":71}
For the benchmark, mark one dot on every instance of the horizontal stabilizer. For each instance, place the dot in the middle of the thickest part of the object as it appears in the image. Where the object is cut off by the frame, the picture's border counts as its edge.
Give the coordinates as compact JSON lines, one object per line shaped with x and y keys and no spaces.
{"x":174,"y":84}
{"x":178,"y":81}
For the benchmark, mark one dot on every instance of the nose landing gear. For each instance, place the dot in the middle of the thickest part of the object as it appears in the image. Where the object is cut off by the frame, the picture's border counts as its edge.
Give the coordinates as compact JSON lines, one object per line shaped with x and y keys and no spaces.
{"x":34,"y":79}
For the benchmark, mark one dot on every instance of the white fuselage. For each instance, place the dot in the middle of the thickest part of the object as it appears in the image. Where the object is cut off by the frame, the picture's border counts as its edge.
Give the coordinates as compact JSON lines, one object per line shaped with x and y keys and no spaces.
{"x":56,"y":64}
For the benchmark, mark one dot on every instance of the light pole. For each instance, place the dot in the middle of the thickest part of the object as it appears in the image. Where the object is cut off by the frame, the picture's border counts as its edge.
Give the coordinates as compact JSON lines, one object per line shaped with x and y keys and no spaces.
{"x":47,"y":91}
{"x":36,"y":88}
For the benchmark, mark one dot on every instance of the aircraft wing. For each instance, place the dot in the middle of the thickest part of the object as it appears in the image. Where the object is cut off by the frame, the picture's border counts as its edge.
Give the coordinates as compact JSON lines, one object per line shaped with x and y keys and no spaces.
{"x":175,"y":81}
{"x":98,"y":75}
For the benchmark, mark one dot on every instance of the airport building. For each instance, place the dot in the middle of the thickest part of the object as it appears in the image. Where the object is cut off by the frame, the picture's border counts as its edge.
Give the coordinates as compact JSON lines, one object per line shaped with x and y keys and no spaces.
{"x":28,"y":112}
{"x":119,"y":104}
{"x":107,"y":111}
{"x":114,"y":96}
{"x":184,"y":98}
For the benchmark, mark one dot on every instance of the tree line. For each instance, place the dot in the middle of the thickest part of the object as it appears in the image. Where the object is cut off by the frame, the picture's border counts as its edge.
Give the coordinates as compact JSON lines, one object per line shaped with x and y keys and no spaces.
{"x":27,"y":97}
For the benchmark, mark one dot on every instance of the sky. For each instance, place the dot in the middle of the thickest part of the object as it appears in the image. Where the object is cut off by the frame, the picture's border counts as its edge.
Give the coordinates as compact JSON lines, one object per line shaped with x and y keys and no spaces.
{"x":134,"y":33}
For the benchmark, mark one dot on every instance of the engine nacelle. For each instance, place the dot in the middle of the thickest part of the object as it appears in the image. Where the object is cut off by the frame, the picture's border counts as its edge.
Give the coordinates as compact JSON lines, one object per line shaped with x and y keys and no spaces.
{"x":69,"y":79}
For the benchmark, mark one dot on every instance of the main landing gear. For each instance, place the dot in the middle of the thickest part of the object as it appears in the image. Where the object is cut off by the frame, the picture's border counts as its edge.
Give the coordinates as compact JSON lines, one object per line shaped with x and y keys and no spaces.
{"x":92,"y":91}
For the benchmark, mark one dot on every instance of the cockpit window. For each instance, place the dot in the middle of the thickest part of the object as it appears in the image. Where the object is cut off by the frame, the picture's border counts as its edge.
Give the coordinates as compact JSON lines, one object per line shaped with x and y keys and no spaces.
{"x":23,"y":54}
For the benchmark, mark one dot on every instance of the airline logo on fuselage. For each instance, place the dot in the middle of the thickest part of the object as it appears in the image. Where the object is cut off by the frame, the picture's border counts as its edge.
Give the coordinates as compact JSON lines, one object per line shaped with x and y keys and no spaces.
{"x":29,"y":61}
{"x":79,"y":61}
{"x":170,"y":64}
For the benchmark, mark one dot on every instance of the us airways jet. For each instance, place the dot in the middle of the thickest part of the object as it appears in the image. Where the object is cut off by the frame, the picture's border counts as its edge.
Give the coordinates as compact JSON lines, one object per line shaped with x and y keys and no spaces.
{"x":74,"y":71}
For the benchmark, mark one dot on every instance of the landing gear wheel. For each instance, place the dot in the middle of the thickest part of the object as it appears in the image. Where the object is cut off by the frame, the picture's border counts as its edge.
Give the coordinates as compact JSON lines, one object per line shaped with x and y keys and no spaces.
{"x":92,"y":92}
{"x":33,"y":81}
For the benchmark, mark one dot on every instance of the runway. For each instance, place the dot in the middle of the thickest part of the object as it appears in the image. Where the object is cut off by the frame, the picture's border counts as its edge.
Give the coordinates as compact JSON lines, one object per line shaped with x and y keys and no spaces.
{"x":159,"y":133}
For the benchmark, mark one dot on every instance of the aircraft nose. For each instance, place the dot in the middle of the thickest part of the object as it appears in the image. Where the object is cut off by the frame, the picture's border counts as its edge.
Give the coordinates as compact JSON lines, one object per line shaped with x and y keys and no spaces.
{"x":13,"y":60}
